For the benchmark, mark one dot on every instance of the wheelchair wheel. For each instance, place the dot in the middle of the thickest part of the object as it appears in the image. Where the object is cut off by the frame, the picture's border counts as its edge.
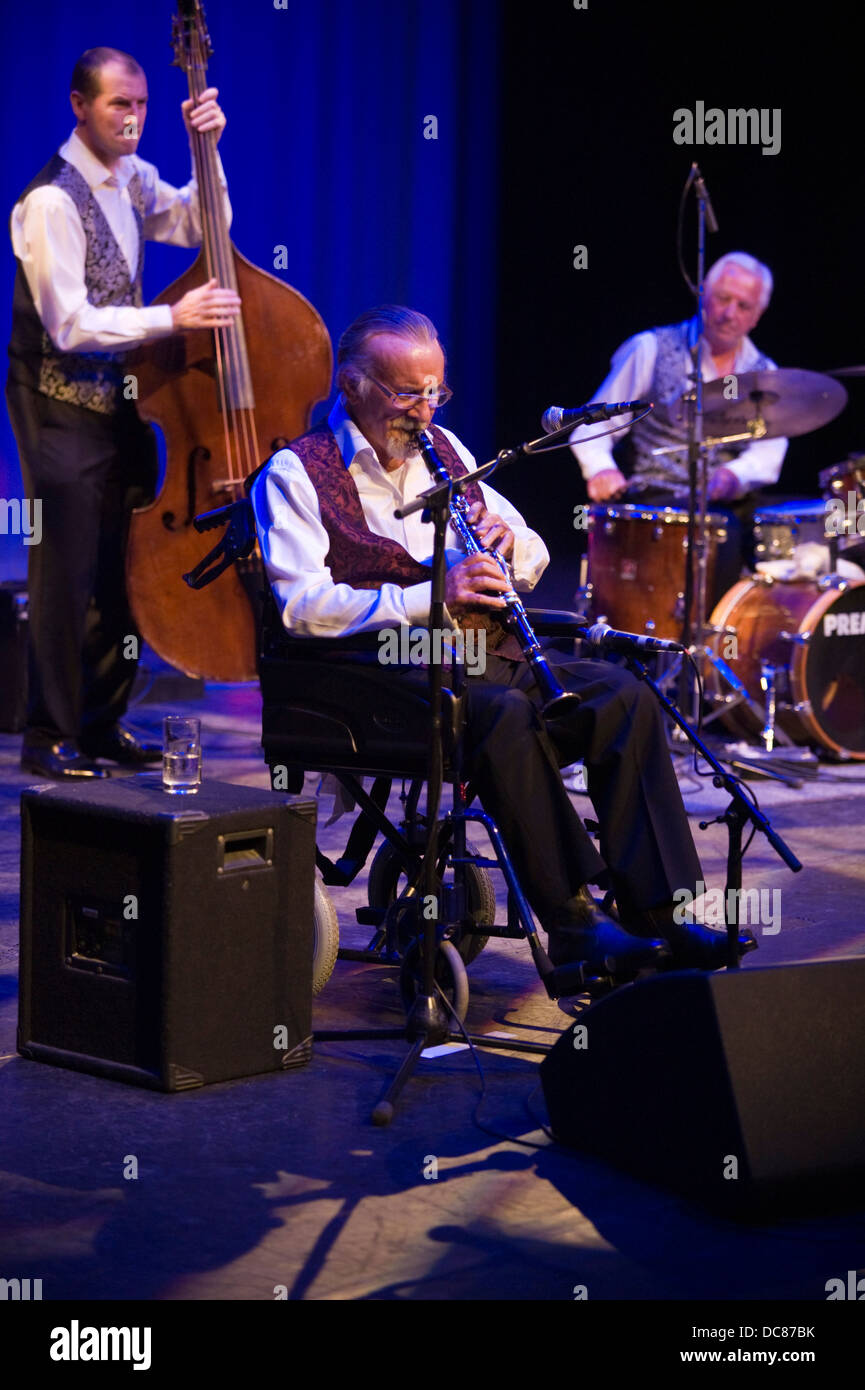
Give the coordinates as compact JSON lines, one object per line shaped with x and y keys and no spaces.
{"x":325,"y":937}
{"x":450,"y":976}
{"x":386,"y":871}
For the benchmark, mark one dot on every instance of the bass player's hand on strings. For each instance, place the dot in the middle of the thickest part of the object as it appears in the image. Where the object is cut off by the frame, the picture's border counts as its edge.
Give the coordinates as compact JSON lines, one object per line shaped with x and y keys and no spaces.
{"x":204,"y":114}
{"x":210,"y":306}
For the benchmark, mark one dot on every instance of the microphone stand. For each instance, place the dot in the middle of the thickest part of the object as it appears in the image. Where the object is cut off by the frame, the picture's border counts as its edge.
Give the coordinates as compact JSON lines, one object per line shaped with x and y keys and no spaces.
{"x":698,"y":472}
{"x":694,"y":634}
{"x":738,"y":813}
{"x":427,"y":1024}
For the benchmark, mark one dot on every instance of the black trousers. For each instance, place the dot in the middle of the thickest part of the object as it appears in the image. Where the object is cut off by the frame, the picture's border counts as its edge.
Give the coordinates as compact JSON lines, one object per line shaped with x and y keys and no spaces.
{"x":513,"y":757}
{"x":89,"y":471}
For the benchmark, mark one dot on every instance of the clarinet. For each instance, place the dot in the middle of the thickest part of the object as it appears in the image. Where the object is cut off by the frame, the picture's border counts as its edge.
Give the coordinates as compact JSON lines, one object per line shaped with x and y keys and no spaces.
{"x":556,"y":700}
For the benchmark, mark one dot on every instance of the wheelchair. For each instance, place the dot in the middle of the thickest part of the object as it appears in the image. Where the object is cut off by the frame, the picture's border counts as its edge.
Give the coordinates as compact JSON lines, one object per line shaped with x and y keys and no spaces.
{"x":310,"y":725}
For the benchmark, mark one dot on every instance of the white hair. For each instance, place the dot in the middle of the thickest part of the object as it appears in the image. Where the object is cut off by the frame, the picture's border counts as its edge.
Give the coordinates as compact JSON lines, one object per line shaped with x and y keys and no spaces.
{"x":744,"y":262}
{"x":355,"y":358}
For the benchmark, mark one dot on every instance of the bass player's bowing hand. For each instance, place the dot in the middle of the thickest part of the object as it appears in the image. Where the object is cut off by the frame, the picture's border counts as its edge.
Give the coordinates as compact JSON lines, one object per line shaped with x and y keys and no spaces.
{"x":209,"y":306}
{"x":491,"y":530}
{"x":204,"y":114}
{"x":475,"y":582}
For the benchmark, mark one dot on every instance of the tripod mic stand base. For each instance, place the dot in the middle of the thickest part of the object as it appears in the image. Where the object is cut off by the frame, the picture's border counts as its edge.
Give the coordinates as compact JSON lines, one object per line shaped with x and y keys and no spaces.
{"x":427,"y":1021}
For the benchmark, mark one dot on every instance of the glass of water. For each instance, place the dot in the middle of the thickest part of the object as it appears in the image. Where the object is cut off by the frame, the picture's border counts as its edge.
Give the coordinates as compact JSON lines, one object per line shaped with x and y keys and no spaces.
{"x":181,"y":753}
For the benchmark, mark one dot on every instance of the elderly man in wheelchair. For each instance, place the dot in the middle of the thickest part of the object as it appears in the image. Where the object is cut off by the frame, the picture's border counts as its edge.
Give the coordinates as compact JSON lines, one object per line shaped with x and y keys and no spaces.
{"x":344,"y":573}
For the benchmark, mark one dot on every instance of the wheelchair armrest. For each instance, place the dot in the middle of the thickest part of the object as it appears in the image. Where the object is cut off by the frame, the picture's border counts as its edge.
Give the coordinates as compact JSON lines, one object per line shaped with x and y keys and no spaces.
{"x":237,"y":543}
{"x":556,"y":622}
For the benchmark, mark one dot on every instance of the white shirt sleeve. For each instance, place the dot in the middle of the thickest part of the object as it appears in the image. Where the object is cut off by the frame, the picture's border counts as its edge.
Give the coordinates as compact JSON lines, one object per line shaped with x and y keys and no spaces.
{"x":49,"y":241}
{"x":173,"y":214}
{"x":294,"y":545}
{"x":759,"y":464}
{"x":631,"y":371}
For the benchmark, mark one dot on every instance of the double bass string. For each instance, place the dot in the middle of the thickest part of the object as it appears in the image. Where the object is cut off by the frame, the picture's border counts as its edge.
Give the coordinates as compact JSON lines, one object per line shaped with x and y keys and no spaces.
{"x":234,"y":382}
{"x":195,"y":74}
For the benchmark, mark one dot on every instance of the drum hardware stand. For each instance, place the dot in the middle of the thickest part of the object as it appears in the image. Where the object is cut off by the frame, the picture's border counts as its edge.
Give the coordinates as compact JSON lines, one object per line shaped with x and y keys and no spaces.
{"x":698,"y":481}
{"x":698,"y":447}
{"x":694,"y":625}
{"x":738,"y":813}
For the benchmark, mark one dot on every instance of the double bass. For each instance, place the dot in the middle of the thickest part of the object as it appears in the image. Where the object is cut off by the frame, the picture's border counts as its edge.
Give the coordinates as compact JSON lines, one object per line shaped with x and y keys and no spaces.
{"x":224,"y":400}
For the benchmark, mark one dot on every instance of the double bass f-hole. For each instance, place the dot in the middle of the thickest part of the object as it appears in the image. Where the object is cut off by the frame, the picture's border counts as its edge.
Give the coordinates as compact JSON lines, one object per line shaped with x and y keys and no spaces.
{"x":199,"y":456}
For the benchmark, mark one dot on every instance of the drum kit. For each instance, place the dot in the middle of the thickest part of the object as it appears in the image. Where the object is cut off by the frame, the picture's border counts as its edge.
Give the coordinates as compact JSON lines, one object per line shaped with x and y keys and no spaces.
{"x":785,"y":652}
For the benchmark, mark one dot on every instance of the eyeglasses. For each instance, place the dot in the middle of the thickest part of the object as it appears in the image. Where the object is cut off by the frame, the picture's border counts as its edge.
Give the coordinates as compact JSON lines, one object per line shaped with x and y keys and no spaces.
{"x":434,"y":397}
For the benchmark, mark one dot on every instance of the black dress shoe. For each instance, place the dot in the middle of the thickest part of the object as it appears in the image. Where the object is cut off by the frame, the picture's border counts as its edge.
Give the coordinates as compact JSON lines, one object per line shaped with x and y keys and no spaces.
{"x":120,"y":746}
{"x":63,"y":761}
{"x":583,"y":935}
{"x":694,"y":946}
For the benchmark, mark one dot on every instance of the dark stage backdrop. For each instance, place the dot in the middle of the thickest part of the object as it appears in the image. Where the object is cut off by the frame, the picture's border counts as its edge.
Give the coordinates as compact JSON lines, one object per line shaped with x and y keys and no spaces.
{"x":588,"y":158}
{"x":325,"y":154}
{"x":555,"y":129}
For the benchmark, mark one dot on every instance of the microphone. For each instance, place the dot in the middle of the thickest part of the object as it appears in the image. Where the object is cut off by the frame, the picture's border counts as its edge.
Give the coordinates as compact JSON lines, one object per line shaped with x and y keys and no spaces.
{"x":600,"y":635}
{"x":703,"y":194}
{"x":556,"y":417}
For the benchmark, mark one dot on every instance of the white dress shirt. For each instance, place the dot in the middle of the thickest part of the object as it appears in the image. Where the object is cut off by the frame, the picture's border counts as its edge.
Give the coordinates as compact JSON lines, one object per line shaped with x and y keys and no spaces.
{"x":50,"y":242}
{"x":630,"y":379}
{"x":294,"y":543}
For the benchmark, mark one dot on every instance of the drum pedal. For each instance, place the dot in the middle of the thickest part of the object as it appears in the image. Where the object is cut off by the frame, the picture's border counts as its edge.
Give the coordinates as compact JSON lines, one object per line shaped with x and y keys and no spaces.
{"x":782,"y":769}
{"x":799,"y":762}
{"x":744,"y":768}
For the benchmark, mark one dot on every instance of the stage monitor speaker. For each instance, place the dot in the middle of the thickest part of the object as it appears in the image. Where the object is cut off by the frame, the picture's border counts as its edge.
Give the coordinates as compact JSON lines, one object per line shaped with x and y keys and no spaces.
{"x":745,"y":1088}
{"x":166,"y":940}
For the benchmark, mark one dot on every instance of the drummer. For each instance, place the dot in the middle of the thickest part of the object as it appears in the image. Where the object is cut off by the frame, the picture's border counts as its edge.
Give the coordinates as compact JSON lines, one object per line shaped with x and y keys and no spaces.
{"x":656,"y":366}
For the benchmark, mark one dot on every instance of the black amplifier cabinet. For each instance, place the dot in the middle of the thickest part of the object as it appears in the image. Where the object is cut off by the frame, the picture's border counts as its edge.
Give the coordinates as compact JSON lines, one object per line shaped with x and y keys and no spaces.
{"x":13,"y":655}
{"x":166,"y":940}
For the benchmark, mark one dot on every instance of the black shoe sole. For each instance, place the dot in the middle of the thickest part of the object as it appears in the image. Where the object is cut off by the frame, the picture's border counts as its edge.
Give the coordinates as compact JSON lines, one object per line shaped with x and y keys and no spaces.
{"x":66,"y":776}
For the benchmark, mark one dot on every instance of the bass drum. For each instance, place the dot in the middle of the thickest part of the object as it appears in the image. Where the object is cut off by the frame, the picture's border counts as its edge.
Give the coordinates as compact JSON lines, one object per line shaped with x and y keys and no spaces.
{"x":813,"y":633}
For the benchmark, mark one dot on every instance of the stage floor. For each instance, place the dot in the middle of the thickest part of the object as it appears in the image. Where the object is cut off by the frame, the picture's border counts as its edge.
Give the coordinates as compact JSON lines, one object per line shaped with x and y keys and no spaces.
{"x":281,"y":1182}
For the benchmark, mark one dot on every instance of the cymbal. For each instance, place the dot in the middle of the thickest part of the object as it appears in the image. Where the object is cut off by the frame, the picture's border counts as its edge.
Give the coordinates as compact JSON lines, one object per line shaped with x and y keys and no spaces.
{"x":790,"y":401}
{"x":848,"y":371}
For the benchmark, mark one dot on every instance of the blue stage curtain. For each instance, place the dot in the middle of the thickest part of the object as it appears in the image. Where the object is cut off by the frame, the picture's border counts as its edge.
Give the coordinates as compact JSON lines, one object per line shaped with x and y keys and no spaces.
{"x":325,"y":151}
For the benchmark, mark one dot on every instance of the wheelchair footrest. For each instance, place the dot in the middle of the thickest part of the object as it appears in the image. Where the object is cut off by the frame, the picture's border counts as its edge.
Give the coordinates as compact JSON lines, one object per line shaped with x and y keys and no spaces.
{"x":370,"y":916}
{"x":567,"y":979}
{"x":371,"y":957}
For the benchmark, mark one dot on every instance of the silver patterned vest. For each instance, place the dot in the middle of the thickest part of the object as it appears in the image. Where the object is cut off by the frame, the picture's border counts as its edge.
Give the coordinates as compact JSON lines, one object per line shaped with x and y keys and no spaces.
{"x":667,"y":423}
{"x":90,"y":379}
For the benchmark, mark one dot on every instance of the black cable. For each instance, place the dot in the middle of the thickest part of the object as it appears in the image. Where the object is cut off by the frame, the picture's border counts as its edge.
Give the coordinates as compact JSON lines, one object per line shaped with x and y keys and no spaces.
{"x":560,"y":443}
{"x":485,"y":1129}
{"x":680,"y":223}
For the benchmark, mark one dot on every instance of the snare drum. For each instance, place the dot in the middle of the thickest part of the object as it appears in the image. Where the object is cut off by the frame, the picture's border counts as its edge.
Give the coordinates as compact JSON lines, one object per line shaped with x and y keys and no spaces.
{"x":813,"y":632}
{"x":779,"y":529}
{"x":637,"y":566}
